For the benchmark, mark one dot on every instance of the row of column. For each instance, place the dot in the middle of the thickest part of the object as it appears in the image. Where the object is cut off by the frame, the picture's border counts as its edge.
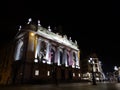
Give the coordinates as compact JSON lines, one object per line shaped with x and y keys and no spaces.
{"x":50,"y":53}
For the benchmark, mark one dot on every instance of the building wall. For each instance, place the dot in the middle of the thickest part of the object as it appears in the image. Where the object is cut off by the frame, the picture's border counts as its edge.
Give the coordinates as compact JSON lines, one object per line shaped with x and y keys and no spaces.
{"x":31,"y":61}
{"x":6,"y":64}
{"x":34,"y":58}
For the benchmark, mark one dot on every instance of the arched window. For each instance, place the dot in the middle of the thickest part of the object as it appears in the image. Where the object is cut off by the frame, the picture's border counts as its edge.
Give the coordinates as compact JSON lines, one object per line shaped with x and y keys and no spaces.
{"x":42,"y":53}
{"x":74,"y":57}
{"x":52,"y":55}
{"x":67,"y":58}
{"x":61,"y":57}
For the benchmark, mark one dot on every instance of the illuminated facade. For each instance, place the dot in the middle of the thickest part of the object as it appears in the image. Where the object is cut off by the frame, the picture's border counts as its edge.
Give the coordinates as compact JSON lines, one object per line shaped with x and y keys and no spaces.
{"x":86,"y":68}
{"x":41,"y":55}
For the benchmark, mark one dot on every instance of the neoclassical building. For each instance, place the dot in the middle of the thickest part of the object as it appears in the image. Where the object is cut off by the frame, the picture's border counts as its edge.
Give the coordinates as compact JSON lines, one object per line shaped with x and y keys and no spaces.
{"x":39,"y":55}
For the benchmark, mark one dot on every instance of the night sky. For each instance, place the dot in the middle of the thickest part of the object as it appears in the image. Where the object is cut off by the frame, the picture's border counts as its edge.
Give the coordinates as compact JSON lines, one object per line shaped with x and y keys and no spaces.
{"x":90,"y":23}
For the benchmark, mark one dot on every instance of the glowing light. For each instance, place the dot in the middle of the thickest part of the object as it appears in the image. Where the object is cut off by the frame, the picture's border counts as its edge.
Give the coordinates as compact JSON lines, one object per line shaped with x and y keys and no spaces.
{"x":90,"y":58}
{"x":73,"y":74}
{"x":49,"y":28}
{"x":32,"y":34}
{"x":29,"y":20}
{"x":89,"y":61}
{"x":44,"y":61}
{"x":79,"y":54}
{"x":36,"y":72}
{"x":39,"y":23}
{"x":18,"y":51}
{"x":48,"y":73}
{"x":20,"y":28}
{"x":35,"y":60}
{"x":115,"y":68}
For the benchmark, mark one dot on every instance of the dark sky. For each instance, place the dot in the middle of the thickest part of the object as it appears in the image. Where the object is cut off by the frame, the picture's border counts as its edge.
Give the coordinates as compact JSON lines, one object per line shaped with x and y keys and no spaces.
{"x":90,"y":23}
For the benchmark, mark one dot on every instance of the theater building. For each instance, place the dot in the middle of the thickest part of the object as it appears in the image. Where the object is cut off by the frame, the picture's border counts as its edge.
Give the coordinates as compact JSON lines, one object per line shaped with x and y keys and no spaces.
{"x":40,"y":55}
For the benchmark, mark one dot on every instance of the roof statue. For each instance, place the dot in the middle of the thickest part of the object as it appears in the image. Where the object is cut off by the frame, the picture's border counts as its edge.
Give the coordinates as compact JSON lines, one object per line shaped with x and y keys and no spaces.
{"x":49,"y":28}
{"x":29,"y":20}
{"x":48,"y":34}
{"x":39,"y":23}
{"x":20,"y":27}
{"x":75,"y":42}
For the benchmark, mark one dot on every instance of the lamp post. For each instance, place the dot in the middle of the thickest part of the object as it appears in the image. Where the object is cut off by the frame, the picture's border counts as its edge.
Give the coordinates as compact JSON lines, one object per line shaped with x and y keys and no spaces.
{"x":93,"y":73}
{"x":117,"y":69}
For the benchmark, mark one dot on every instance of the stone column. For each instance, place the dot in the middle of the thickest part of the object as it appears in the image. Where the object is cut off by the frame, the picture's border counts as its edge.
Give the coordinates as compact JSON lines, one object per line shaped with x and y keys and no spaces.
{"x":71,"y":58}
{"x":77,"y":60}
{"x":66,"y":64}
{"x":119,"y":74}
{"x":57,"y":55}
{"x":64,"y":57}
{"x":48,"y":53}
{"x":37,"y":48}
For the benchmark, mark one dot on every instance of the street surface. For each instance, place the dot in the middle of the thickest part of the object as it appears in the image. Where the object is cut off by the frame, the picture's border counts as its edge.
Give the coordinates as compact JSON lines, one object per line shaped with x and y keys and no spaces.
{"x":68,"y":86}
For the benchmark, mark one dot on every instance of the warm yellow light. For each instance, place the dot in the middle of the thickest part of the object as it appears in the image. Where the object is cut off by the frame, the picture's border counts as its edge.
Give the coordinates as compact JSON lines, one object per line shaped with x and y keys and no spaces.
{"x":79,"y":55}
{"x":32,"y":34}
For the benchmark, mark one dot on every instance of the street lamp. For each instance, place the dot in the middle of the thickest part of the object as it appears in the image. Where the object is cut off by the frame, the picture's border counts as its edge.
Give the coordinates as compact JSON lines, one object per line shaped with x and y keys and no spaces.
{"x":93,"y":73}
{"x":117,"y":69}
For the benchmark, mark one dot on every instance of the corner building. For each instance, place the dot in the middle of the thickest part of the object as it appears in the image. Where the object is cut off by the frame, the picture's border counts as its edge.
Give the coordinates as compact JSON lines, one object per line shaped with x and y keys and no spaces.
{"x":43,"y":56}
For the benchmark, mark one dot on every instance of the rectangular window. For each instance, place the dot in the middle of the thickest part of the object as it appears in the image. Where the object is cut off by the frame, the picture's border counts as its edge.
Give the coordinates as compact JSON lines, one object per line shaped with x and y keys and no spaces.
{"x":36,"y":72}
{"x":73,"y":74}
{"x":48,"y":73}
